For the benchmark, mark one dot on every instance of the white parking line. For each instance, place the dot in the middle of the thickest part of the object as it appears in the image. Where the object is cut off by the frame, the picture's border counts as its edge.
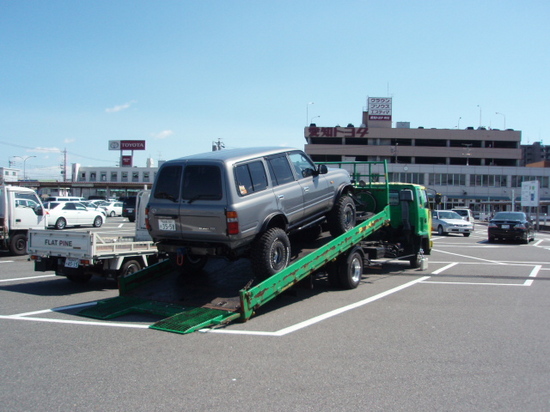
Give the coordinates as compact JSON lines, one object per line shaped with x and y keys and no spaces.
{"x":26,"y":278}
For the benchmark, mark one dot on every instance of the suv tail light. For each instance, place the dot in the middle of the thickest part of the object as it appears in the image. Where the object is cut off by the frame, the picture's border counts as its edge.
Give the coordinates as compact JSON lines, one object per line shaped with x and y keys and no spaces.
{"x":232,"y":222}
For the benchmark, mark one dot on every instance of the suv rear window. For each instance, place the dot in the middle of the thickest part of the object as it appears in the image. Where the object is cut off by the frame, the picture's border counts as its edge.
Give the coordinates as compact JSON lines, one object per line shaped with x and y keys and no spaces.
{"x":168,"y":183}
{"x":250,"y":178}
{"x":202,"y":182}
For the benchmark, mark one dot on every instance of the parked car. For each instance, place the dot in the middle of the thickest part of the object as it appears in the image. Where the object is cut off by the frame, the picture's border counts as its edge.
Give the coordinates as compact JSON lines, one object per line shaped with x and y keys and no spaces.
{"x":63,"y":214}
{"x":466,"y":214}
{"x":90,"y":205}
{"x":447,"y":221}
{"x":244,"y":202}
{"x":129,"y":208}
{"x":112,"y":208}
{"x":512,"y":226}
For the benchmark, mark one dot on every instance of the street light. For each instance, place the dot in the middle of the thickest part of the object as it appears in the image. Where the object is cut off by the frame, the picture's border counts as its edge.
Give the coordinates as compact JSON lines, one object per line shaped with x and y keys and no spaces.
{"x":24,"y":158}
{"x":307,"y":111}
{"x":314,"y":117}
{"x":502,"y":114}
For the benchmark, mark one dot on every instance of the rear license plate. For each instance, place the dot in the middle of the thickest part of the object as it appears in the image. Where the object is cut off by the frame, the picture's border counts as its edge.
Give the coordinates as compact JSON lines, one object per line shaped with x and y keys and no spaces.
{"x":72,"y":263}
{"x":167,"y":224}
{"x":505,"y":226}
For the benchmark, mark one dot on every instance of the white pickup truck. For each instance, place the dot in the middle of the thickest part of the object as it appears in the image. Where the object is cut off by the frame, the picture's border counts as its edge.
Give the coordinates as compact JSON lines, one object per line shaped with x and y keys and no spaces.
{"x":20,"y":210}
{"x":80,"y":255}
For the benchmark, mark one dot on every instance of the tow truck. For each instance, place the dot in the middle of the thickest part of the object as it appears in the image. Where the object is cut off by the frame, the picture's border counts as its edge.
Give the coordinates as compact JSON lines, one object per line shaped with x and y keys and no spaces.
{"x":395,"y":223}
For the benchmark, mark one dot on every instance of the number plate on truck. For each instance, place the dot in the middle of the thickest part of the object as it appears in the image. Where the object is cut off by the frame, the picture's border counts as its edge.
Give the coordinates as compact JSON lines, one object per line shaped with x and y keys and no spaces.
{"x":72,"y":263}
{"x":167,"y":224}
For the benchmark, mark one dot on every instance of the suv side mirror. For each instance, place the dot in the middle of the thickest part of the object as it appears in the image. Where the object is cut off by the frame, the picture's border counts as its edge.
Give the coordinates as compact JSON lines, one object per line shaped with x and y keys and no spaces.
{"x":322,"y":169}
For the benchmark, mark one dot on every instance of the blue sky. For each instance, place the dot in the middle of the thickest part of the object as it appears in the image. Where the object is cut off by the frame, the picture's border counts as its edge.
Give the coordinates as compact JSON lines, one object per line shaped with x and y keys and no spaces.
{"x":181,"y":74}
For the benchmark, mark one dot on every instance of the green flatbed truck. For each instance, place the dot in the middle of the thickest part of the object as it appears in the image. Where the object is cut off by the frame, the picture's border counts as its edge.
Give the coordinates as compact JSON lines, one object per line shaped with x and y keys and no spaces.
{"x":394,"y":223}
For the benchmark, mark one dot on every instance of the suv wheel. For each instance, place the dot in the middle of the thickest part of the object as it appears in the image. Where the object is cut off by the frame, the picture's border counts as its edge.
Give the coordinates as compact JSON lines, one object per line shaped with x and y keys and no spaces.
{"x":270,"y":253}
{"x":342,"y":217}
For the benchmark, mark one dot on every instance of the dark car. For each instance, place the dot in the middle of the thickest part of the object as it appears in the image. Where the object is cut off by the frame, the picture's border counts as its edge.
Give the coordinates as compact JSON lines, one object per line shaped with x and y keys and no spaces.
{"x":129,"y":208}
{"x":511,"y":226}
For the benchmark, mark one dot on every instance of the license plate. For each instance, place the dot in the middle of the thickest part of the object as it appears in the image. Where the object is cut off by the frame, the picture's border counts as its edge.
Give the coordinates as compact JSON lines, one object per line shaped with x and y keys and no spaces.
{"x":167,"y":224}
{"x":72,"y":263}
{"x":505,"y":226}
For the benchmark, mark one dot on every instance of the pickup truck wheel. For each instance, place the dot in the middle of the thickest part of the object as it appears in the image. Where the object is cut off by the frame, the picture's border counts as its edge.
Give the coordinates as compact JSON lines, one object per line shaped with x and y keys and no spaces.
{"x":350,"y":268}
{"x":129,"y":267}
{"x":18,"y":244}
{"x":98,"y":221}
{"x":270,"y":253}
{"x":342,"y":217}
{"x":61,"y":224}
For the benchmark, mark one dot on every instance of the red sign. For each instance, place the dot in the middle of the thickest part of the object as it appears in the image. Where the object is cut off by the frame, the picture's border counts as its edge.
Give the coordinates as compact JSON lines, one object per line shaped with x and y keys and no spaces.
{"x":337,"y":132}
{"x":132,"y":145}
{"x":126,"y":161}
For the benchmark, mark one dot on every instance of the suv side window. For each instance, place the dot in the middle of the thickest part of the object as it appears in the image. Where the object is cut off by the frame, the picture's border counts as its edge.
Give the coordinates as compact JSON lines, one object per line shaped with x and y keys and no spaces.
{"x":168,"y":183}
{"x":202,"y":182}
{"x":302,"y":165}
{"x":280,"y":170}
{"x":250,"y":178}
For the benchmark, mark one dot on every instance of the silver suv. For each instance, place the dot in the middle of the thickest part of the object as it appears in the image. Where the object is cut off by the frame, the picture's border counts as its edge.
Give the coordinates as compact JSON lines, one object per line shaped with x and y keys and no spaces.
{"x":244,"y":202}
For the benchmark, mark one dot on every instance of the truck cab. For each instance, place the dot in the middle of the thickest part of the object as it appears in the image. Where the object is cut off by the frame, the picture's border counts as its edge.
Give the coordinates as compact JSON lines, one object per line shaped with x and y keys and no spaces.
{"x":20,"y":210}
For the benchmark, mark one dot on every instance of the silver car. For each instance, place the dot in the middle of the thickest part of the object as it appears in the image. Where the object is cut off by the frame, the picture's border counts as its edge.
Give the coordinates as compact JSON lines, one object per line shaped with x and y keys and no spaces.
{"x":447,"y":221}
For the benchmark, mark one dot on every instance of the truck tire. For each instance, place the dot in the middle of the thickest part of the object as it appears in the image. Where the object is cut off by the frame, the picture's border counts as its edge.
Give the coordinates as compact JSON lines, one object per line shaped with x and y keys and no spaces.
{"x":60,"y":224}
{"x":342,"y":217}
{"x":350,"y":268}
{"x":18,"y":244}
{"x":270,"y":253}
{"x":129,"y":267}
{"x":98,"y":221}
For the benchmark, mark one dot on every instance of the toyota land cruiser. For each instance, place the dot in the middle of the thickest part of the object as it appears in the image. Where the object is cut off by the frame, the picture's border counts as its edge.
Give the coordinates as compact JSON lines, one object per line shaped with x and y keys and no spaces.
{"x":244,"y":202}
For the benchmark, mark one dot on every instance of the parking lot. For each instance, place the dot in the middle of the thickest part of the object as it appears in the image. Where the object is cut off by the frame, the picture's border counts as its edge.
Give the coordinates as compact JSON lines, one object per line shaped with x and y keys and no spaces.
{"x":469,"y":333}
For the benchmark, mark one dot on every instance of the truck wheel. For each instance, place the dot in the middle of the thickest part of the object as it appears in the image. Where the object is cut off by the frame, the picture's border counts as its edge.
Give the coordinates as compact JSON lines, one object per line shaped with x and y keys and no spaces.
{"x":61,"y":224}
{"x":466,"y":234}
{"x":350,"y":268}
{"x":129,"y":267}
{"x":415,"y":261}
{"x":98,"y":221}
{"x":270,"y":253}
{"x":342,"y":217}
{"x":18,"y":244}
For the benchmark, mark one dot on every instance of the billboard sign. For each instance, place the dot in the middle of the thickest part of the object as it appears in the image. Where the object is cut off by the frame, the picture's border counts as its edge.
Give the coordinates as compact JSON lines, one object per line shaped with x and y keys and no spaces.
{"x":126,"y":144}
{"x":380,"y":108}
{"x":530,"y":193}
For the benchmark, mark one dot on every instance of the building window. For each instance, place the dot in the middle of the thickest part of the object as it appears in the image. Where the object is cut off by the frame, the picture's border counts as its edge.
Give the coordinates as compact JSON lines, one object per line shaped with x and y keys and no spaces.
{"x":103,"y":176}
{"x":82,"y":177}
{"x":135,"y":177}
{"x":114,"y":177}
{"x":124,"y":177}
{"x":146,"y":176}
{"x":92,"y":177}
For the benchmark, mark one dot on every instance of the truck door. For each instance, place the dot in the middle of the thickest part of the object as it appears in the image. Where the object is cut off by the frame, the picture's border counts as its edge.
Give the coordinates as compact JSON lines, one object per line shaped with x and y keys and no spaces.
{"x":27,"y":211}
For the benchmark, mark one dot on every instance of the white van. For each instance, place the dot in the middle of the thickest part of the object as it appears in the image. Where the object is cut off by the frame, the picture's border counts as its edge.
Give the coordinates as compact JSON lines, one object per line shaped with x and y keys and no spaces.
{"x":465,"y":213}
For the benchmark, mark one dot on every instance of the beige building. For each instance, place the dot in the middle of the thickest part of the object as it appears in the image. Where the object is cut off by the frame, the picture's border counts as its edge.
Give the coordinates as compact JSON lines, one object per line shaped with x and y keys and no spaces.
{"x":476,"y":168}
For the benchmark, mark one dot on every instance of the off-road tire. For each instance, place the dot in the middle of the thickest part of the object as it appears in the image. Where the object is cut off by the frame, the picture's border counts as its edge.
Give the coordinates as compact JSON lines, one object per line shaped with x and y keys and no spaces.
{"x":18,"y":244}
{"x":342,"y":217}
{"x":270,"y":253}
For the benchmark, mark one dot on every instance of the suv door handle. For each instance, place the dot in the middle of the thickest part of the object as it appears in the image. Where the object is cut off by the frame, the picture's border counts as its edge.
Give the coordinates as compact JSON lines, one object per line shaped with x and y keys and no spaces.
{"x":281,"y":196}
{"x":306,"y":188}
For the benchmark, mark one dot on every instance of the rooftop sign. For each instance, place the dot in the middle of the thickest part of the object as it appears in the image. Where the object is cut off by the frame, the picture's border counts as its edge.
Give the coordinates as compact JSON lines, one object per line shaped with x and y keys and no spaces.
{"x":126,"y":144}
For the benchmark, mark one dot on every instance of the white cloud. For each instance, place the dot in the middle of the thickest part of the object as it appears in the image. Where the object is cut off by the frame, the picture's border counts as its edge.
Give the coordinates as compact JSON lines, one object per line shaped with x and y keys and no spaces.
{"x":69,"y":140}
{"x":45,"y":150}
{"x":162,"y":135}
{"x":120,"y":107}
